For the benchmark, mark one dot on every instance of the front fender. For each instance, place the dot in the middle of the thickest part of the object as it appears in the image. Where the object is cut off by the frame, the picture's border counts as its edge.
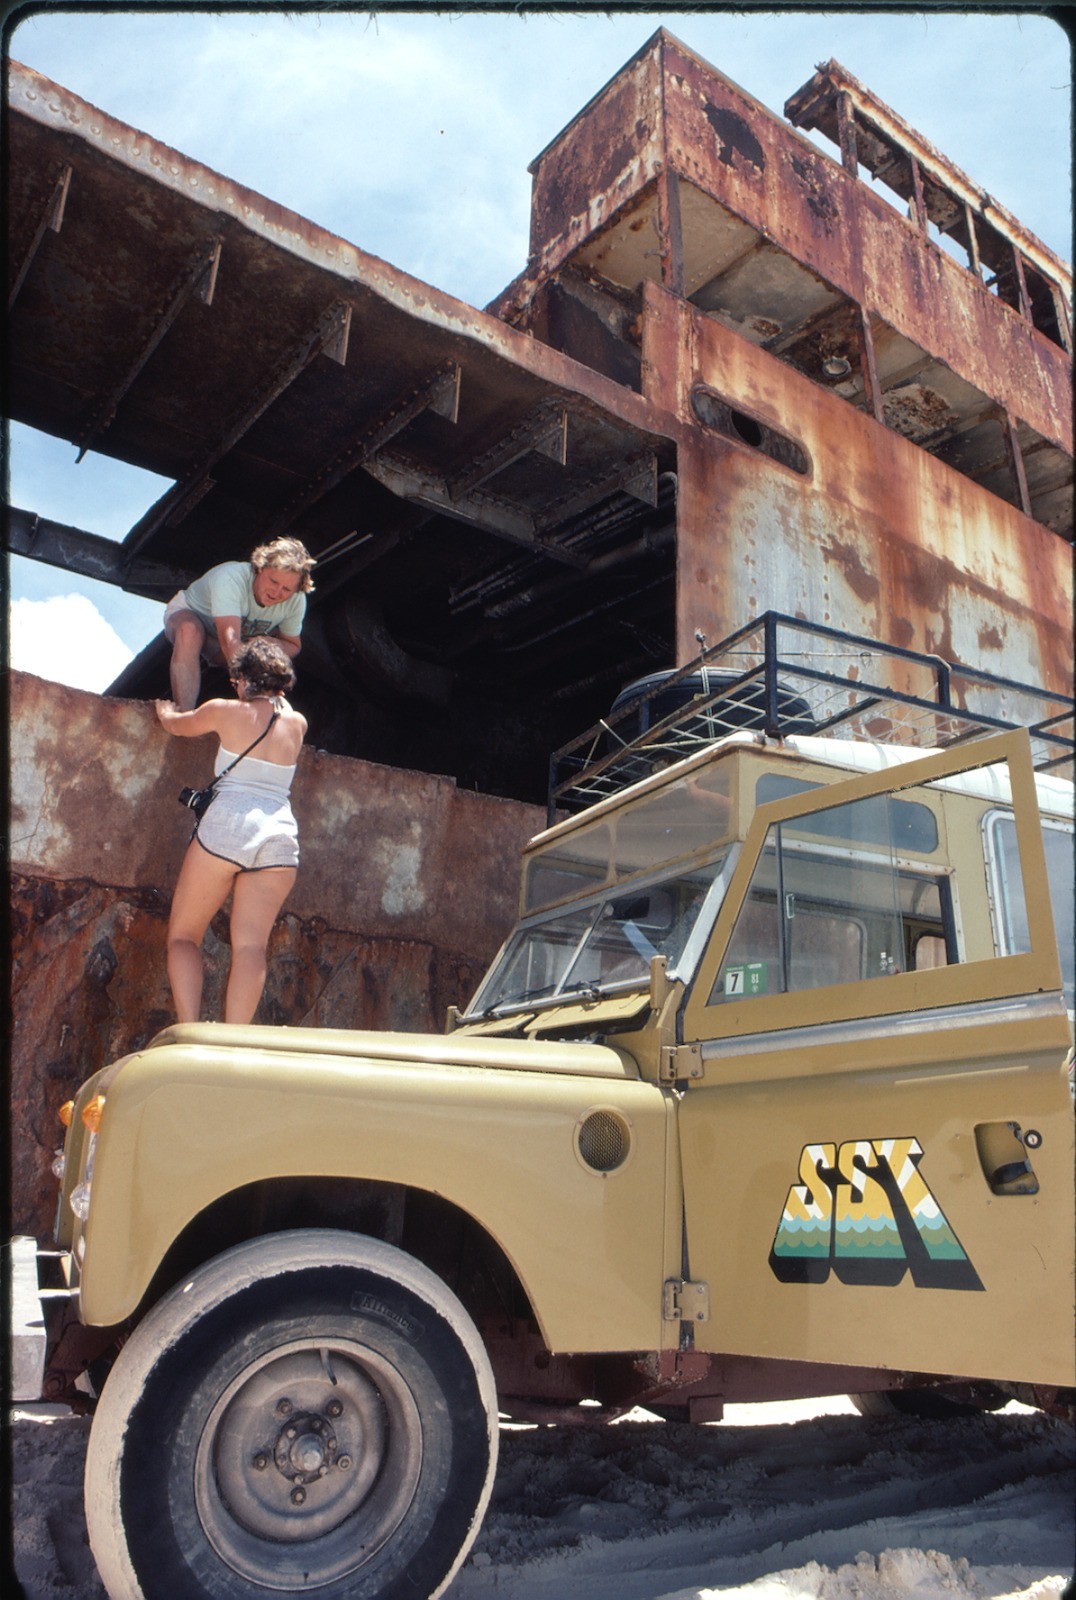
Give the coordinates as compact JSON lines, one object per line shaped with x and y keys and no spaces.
{"x":185,"y":1124}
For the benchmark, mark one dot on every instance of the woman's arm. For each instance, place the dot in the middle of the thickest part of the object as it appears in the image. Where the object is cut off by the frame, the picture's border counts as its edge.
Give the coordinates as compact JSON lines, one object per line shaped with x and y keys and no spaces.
{"x":203,"y":719}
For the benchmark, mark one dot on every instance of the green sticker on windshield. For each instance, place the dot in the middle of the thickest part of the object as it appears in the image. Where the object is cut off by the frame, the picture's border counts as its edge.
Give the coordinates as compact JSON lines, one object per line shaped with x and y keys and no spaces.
{"x":746,"y":980}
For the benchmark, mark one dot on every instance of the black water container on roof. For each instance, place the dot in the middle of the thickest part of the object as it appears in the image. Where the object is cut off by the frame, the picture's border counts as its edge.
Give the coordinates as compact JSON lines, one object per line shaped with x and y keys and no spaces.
{"x":641,"y":705}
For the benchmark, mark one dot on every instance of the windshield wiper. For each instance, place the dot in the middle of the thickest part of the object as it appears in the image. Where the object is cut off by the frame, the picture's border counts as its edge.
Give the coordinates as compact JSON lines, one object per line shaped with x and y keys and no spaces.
{"x":592,"y":990}
{"x":542,"y":992}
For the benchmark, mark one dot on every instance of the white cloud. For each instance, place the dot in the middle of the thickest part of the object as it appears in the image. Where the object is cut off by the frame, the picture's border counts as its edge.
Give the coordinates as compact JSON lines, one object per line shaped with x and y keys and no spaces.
{"x":67,"y":640}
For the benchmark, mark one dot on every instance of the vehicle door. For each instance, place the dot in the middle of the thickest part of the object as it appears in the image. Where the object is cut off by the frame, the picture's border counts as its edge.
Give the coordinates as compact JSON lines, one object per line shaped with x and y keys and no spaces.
{"x":878,"y":1154}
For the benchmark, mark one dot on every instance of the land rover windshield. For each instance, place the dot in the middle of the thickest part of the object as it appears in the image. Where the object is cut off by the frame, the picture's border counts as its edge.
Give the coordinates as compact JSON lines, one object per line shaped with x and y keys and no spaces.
{"x":602,"y":899}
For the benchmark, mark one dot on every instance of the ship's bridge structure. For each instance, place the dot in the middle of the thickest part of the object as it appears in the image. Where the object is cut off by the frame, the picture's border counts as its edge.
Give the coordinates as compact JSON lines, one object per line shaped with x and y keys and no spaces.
{"x":737,"y":374}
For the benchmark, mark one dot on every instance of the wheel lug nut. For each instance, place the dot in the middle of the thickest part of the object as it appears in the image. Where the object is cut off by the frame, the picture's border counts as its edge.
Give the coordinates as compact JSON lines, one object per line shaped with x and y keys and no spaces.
{"x":290,"y":1433}
{"x":333,"y":1409}
{"x":261,"y":1461}
{"x":283,"y":1408}
{"x":298,"y":1496}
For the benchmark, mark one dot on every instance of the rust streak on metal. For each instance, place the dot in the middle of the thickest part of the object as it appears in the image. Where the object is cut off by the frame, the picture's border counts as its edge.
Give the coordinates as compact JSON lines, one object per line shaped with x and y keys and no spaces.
{"x":50,"y":216}
{"x":197,"y":277}
{"x":671,"y":233}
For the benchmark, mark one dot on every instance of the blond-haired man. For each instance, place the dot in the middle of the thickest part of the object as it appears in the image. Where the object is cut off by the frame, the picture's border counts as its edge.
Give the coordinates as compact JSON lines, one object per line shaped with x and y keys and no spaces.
{"x":235,"y":601}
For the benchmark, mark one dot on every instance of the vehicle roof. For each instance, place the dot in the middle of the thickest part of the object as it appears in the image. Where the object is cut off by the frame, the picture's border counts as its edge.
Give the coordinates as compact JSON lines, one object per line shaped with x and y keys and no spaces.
{"x":848,"y":755}
{"x":986,"y":783}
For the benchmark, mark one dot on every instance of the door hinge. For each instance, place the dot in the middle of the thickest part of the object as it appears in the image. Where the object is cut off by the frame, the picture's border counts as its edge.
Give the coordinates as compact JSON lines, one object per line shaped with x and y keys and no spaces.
{"x":680,"y":1061}
{"x":685,"y":1301}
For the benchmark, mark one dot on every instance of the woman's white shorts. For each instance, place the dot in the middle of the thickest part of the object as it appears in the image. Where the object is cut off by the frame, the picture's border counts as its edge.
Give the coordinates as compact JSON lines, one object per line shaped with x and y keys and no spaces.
{"x":249,"y":832}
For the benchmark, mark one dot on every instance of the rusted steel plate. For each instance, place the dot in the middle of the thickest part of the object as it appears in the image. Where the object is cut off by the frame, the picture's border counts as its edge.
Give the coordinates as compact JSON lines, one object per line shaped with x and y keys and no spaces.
{"x":773,"y":179}
{"x":387,"y":852}
{"x":595,"y":199}
{"x":815,"y":106}
{"x":878,"y":537}
{"x":408,"y":886}
{"x":605,"y":156}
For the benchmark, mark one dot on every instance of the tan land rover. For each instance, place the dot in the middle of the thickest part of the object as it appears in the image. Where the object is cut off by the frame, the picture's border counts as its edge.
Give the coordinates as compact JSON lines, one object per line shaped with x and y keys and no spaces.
{"x":766,"y":1095}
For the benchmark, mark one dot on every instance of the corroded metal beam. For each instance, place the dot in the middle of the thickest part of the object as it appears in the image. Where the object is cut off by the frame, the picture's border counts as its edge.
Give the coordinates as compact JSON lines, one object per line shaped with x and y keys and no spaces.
{"x":197,"y":277}
{"x":328,"y":337}
{"x":50,"y":218}
{"x":670,"y":232}
{"x":411,"y":481}
{"x":439,"y":393}
{"x":543,"y":432}
{"x":637,"y":477}
{"x":88,"y":554}
{"x":1015,"y":462}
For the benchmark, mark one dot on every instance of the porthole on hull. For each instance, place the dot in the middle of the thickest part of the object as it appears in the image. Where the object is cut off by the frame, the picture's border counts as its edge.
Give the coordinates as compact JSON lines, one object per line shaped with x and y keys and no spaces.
{"x":719,"y":414}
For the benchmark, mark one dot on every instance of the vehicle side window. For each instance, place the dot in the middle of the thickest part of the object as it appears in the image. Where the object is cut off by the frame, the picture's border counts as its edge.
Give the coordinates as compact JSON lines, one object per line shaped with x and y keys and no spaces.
{"x":819,"y":913}
{"x":1010,"y":914}
{"x":889,"y":820}
{"x":928,"y":952}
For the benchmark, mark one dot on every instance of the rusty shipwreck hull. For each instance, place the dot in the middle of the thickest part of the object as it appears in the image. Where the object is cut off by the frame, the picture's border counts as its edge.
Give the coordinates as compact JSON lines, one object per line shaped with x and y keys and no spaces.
{"x":733,"y":377}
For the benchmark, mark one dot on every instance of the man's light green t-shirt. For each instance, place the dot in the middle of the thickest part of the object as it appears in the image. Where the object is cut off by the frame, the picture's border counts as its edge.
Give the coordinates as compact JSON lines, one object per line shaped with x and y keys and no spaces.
{"x":228,"y":591}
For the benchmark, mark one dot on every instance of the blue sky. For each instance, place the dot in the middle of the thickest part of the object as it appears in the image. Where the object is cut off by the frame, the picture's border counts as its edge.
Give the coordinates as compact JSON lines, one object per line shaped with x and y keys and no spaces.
{"x":410,"y":135}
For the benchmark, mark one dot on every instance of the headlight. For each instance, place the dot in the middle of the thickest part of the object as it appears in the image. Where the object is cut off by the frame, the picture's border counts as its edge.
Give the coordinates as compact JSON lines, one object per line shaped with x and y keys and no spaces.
{"x":80,"y":1194}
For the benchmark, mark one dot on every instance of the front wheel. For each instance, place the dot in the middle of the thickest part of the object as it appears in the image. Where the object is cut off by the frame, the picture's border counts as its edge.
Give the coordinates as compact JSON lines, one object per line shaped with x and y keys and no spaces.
{"x":310,"y":1412}
{"x":943,"y":1403}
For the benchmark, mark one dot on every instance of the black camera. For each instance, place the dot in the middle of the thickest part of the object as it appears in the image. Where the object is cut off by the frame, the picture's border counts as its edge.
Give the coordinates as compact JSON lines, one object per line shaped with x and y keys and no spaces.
{"x":196,"y":800}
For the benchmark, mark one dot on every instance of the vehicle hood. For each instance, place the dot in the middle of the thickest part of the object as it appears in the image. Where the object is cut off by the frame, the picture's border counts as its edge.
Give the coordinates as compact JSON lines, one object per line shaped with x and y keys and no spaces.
{"x":526,"y":1055}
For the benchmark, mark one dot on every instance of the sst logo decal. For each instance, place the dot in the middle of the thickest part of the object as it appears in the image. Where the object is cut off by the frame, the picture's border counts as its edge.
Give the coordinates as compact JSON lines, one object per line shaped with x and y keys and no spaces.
{"x":863,"y":1211}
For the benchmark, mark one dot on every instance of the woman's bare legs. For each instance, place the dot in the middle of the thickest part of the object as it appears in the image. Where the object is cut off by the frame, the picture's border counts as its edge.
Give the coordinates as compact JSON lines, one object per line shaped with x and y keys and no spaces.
{"x":201,"y":889}
{"x":256,"y":905}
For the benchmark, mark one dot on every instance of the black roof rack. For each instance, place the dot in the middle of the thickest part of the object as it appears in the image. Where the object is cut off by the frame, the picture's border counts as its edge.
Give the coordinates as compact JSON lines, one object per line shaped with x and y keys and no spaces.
{"x":782,"y":675}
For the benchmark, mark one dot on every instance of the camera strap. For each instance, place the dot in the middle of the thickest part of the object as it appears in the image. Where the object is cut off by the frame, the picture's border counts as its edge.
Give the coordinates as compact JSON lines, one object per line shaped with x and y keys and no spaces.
{"x":245,"y":753}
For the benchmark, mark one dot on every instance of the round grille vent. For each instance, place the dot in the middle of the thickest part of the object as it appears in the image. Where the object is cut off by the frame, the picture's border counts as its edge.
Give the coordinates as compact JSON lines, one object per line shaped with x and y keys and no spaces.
{"x":602,"y":1141}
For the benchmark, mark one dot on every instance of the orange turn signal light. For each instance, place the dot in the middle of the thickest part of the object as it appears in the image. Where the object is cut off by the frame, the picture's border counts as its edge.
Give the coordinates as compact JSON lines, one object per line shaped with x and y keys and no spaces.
{"x":66,"y":1112}
{"x":91,"y":1112}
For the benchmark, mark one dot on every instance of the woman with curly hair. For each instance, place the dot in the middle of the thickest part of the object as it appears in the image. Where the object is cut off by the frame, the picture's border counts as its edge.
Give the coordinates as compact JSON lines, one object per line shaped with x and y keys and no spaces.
{"x":247,"y":841}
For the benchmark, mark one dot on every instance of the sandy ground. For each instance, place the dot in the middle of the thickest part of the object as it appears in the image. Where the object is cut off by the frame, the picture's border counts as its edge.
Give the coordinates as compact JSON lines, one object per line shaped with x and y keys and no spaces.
{"x":804,"y":1501}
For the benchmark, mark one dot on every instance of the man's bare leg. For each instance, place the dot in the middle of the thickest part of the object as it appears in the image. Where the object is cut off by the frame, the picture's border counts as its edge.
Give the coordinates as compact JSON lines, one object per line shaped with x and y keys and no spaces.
{"x":187,"y":637}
